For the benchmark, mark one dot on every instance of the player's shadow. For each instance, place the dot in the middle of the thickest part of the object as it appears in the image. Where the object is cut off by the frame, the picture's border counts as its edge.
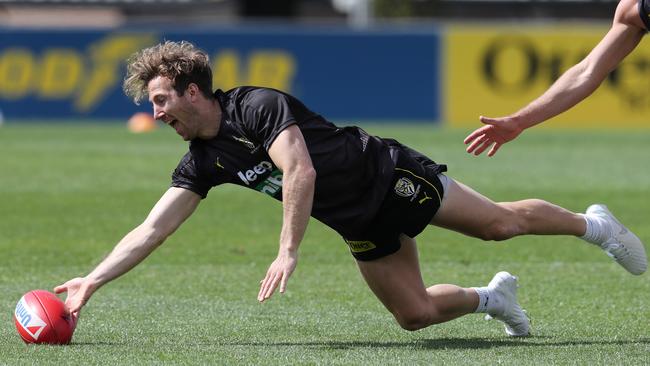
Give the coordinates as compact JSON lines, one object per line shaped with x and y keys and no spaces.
{"x":426,"y":344}
{"x":449,"y":343}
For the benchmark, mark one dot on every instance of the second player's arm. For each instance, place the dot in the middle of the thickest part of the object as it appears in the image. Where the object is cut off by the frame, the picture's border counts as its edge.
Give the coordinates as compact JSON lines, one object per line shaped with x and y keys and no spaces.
{"x":289,"y":152}
{"x":582,"y":79}
{"x":176,"y":205}
{"x":573,"y":86}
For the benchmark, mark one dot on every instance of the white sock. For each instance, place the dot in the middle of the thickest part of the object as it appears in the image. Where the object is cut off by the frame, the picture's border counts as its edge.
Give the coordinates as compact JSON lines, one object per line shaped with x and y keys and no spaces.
{"x":483,"y":299}
{"x":598,"y":229}
{"x":488,"y":301}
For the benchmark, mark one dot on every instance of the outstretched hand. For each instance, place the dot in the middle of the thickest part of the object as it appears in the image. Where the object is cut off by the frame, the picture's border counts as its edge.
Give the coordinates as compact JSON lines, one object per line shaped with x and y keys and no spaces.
{"x":278,"y":274}
{"x":78,"y":294}
{"x":496,"y":132}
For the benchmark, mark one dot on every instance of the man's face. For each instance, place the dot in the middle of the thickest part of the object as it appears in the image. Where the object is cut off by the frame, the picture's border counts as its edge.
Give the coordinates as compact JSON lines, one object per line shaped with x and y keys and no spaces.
{"x":174,"y":110}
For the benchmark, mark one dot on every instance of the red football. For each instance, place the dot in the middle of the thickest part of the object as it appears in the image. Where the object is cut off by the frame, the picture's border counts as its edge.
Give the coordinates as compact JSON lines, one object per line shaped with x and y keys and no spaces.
{"x":40,"y":317}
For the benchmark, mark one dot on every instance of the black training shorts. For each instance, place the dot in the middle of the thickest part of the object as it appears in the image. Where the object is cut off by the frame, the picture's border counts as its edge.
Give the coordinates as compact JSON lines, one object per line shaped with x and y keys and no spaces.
{"x":413,"y":198}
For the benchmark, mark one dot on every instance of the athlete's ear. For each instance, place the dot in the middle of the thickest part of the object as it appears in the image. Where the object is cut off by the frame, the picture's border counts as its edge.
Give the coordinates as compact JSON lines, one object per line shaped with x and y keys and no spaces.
{"x":193,"y":90}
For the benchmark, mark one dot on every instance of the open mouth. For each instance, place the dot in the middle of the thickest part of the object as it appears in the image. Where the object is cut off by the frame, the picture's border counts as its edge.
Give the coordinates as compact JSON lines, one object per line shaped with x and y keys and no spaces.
{"x":175,"y":126}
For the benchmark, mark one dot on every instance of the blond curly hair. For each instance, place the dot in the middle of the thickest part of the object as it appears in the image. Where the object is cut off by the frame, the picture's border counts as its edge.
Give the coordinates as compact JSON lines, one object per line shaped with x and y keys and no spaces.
{"x":181,"y":62}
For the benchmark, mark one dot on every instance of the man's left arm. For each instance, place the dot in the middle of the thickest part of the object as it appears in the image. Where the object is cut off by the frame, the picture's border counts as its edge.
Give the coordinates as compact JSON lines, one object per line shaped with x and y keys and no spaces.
{"x":289,"y":153}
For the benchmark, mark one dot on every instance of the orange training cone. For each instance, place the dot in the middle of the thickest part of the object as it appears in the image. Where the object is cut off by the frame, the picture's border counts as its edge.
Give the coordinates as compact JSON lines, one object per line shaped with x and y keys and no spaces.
{"x":142,"y":122}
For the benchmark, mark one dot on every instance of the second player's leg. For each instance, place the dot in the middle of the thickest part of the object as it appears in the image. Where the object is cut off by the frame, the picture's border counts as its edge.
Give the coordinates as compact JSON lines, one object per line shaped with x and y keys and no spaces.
{"x":467,"y":211}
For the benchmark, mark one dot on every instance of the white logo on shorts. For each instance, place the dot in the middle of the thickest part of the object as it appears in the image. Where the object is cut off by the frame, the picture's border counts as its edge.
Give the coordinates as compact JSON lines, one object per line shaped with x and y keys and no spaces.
{"x":404,"y":187}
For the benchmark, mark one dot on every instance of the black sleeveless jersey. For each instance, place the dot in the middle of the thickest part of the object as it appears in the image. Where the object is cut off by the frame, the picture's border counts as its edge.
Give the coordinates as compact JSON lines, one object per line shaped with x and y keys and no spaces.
{"x":353,"y":169}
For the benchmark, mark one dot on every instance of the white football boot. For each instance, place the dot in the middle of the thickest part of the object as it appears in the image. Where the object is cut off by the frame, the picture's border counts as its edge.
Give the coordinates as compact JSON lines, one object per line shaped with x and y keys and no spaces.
{"x":504,"y":287}
{"x":622,"y":245}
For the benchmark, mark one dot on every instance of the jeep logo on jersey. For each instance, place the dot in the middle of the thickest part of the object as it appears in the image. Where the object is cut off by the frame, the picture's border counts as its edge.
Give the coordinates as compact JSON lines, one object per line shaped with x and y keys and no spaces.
{"x":271,"y":185}
{"x":250,"y":175}
{"x":404,"y":187}
{"x":28,"y":319}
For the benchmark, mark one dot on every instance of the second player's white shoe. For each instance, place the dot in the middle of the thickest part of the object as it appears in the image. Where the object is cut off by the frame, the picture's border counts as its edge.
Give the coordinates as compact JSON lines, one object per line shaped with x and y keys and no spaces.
{"x":622,"y":246}
{"x":504,"y":287}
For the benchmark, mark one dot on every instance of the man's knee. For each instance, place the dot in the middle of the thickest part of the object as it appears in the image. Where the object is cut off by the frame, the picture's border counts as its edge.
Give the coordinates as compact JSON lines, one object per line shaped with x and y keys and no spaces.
{"x":415,"y":320}
{"x":418,"y":317}
{"x":508,"y":224}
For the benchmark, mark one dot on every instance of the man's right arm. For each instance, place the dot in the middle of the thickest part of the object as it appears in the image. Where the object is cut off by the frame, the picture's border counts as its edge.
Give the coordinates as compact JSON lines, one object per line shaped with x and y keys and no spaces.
{"x":173,"y":208}
{"x":573,"y":86}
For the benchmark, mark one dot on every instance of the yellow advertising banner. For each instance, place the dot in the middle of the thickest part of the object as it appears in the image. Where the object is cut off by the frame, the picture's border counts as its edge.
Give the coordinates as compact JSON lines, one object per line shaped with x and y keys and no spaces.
{"x":497,"y":70}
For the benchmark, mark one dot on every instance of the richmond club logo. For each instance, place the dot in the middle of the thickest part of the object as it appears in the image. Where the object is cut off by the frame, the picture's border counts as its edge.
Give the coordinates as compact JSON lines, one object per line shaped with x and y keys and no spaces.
{"x":28,"y":319}
{"x":404,"y":187}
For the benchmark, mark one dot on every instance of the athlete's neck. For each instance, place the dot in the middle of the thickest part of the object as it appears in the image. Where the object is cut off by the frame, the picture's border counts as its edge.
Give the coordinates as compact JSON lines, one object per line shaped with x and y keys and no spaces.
{"x":211,"y":119}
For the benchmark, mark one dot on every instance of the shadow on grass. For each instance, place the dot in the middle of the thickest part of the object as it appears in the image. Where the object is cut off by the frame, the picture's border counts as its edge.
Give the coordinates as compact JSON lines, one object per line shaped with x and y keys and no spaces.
{"x":431,"y":344}
{"x":452,"y":343}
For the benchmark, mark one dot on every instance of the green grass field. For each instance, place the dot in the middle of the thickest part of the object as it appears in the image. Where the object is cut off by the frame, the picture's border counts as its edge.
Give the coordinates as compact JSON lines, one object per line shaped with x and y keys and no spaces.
{"x":69,"y":192}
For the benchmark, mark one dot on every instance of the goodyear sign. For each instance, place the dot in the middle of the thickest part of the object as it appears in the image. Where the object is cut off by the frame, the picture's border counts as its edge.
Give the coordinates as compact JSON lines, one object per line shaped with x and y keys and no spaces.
{"x":64,"y":75}
{"x":497,"y":70}
{"x":341,"y":74}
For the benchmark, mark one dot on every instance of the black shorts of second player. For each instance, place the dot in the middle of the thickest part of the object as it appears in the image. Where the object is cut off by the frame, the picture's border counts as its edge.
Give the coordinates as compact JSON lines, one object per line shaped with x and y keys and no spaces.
{"x":413,"y":198}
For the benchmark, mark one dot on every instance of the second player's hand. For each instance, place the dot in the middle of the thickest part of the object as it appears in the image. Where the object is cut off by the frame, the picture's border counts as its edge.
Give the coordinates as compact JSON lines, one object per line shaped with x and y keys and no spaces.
{"x":278,"y":274}
{"x":79,"y":293}
{"x":496,"y":132}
